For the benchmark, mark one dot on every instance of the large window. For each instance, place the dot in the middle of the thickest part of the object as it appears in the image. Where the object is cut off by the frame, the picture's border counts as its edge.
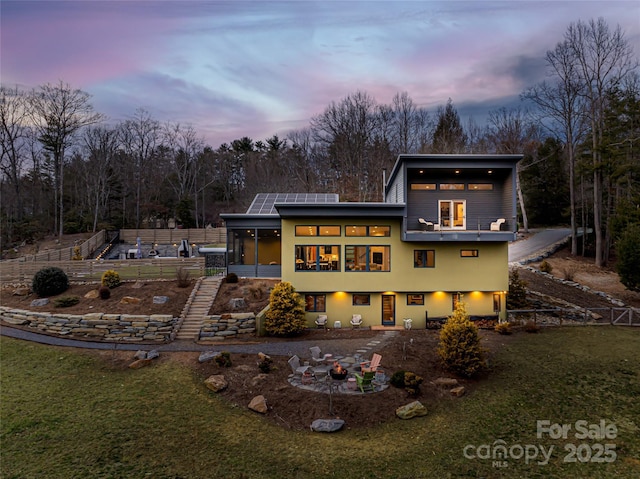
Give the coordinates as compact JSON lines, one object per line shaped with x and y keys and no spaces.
{"x":313,"y":230}
{"x":424,"y":258}
{"x":315,"y":303}
{"x":367,"y":230}
{"x":317,"y":258}
{"x":367,"y":258}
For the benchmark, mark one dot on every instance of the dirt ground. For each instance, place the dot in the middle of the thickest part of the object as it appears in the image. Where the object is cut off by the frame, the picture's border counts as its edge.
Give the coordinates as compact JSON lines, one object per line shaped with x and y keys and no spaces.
{"x":295,"y":408}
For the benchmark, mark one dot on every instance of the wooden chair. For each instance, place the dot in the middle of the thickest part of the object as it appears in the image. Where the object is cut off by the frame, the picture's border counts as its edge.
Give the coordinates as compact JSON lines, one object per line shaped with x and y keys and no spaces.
{"x":366,"y":380}
{"x":371,"y":366}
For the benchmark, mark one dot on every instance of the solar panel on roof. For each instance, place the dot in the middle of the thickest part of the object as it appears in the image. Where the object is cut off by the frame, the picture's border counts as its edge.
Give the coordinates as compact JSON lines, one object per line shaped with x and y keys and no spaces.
{"x":264,"y":203}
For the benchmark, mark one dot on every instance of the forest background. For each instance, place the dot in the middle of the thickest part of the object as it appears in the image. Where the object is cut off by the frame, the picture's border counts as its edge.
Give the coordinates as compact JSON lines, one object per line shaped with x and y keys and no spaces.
{"x":65,"y":169}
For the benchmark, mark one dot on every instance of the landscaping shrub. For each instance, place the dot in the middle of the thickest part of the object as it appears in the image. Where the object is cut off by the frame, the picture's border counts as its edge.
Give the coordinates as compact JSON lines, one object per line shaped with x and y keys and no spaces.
{"x":77,"y":254}
{"x":265,"y":364}
{"x":546,"y":267}
{"x":49,"y":282}
{"x":111,"y":279}
{"x":223,"y":359}
{"x":517,"y":295}
{"x":104,"y":292}
{"x":459,"y":346}
{"x":569,"y":273}
{"x":231,"y":278}
{"x":182,"y":277}
{"x":407,"y":380}
{"x":285,"y":316}
{"x":503,"y":328}
{"x":628,"y":253}
{"x":66,"y":301}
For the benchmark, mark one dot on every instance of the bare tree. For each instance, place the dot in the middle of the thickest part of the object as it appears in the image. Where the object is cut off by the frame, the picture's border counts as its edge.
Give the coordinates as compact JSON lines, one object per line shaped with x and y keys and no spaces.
{"x":602,"y":59}
{"x":560,"y":101}
{"x":410,"y":125}
{"x":58,"y":112}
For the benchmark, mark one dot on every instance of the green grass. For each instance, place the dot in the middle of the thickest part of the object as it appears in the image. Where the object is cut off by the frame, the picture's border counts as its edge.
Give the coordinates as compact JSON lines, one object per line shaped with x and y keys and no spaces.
{"x":65,"y":414}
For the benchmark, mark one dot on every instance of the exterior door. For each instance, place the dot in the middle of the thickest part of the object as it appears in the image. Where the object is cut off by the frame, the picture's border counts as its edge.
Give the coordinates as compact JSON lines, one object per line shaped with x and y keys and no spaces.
{"x":453,"y":214}
{"x":388,"y":310}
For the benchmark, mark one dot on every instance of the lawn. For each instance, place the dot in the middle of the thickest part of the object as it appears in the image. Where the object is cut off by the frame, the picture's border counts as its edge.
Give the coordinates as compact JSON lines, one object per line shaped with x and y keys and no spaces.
{"x":68,"y":414}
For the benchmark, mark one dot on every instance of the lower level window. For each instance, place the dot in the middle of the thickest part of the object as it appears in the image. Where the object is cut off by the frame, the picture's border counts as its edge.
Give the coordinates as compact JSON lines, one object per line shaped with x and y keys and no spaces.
{"x":424,"y":258}
{"x":315,"y":303}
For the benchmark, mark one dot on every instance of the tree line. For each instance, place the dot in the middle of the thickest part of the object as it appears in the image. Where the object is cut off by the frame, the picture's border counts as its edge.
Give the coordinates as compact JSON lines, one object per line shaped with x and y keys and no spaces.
{"x":65,"y":169}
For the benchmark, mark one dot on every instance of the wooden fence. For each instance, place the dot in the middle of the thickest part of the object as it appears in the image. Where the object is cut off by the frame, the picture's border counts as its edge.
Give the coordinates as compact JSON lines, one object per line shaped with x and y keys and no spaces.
{"x":64,"y":254}
{"x":22,"y":272}
{"x":200,"y":236}
{"x":614,"y":315}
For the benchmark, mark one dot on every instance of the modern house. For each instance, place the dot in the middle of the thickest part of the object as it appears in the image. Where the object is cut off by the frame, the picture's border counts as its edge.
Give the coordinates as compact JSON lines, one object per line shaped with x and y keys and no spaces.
{"x":441,"y":235}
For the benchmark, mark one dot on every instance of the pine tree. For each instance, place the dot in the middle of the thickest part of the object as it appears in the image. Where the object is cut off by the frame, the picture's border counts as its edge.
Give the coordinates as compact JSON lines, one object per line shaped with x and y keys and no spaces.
{"x":285,"y":316}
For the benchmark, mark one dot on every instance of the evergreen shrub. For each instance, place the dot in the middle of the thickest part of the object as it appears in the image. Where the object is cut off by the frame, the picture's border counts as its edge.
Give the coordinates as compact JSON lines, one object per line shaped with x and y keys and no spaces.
{"x":285,"y":316}
{"x":111,"y":279}
{"x":50,"y":281}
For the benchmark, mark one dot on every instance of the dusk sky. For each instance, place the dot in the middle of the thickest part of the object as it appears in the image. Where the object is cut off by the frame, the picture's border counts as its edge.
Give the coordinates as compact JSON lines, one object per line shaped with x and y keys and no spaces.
{"x":259,"y":68}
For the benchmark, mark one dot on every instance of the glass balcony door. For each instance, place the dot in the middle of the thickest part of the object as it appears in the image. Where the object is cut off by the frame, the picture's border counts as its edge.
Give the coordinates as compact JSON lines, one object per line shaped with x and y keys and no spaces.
{"x":452,"y":214}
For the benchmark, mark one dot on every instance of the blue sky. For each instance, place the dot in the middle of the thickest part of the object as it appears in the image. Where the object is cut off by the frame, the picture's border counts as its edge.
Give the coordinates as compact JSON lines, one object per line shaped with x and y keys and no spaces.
{"x":259,"y":68}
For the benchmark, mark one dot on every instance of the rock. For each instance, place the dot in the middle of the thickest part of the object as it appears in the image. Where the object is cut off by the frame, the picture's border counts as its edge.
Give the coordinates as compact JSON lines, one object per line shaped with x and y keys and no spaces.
{"x":139,"y":363}
{"x":22,"y":291}
{"x":208,"y":356}
{"x":160,"y":299}
{"x":130,"y":300}
{"x":259,"y":404}
{"x":445,"y":382}
{"x":411,"y":410}
{"x":153,"y":354}
{"x":40,"y":302}
{"x":137,"y":285}
{"x":93,"y":294}
{"x":140,"y":354}
{"x":237,"y":303}
{"x":263,"y":357}
{"x":327,"y":425}
{"x":258,"y":379}
{"x":216,"y":383}
{"x":457,"y":392}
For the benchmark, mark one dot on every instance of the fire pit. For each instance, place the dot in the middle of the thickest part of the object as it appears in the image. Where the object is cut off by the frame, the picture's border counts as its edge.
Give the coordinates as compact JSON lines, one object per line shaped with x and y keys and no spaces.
{"x":338,"y":372}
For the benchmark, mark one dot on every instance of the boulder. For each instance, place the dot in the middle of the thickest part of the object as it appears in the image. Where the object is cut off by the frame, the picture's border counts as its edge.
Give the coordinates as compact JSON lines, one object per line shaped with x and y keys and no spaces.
{"x":259,"y":404}
{"x":237,"y":303}
{"x":93,"y":294}
{"x":216,"y":383}
{"x":153,"y":354}
{"x":40,"y":302}
{"x":208,"y":356}
{"x":446,"y":382}
{"x":130,"y":300}
{"x":160,"y":299}
{"x":457,"y":392}
{"x":258,"y":379}
{"x":327,"y":425}
{"x":411,"y":410}
{"x":140,"y":354}
{"x":137,"y":285}
{"x":22,"y":291}
{"x":263,"y":357}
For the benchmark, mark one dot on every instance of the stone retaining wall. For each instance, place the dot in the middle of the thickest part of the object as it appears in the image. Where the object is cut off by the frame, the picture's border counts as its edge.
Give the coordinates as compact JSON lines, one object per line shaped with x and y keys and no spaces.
{"x":218,"y":327}
{"x":96,"y":326}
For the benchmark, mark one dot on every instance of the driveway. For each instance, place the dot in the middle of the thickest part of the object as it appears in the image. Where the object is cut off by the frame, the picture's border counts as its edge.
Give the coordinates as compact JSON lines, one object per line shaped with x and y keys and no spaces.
{"x":536,"y":243}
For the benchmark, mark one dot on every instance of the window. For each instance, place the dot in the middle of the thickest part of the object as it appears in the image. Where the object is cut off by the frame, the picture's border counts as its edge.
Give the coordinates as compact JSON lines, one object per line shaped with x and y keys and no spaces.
{"x":367,"y":230}
{"x":424,"y":258}
{"x":315,"y":303}
{"x":367,"y":258}
{"x":480,"y":186}
{"x":469,"y":253}
{"x":496,"y":302}
{"x":452,"y":186}
{"x":312,"y":230}
{"x":317,"y":258}
{"x":415,"y":299}
{"x":423,"y":186}
{"x":455,"y":299}
{"x":361,"y":299}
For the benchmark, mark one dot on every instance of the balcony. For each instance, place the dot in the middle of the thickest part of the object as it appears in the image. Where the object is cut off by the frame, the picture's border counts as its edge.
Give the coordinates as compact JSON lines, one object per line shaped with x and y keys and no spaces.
{"x":484,"y":229}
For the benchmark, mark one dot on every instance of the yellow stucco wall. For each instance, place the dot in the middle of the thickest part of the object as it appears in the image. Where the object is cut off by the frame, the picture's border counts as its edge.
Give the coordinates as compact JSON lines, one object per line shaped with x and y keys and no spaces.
{"x":476,"y":278}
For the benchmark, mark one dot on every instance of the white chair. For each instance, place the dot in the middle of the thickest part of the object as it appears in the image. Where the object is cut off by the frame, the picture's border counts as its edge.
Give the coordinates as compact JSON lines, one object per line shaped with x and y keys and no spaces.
{"x":356,"y":321}
{"x":316,"y":355}
{"x":321,"y":321}
{"x":294,"y":363}
{"x":495,"y":226}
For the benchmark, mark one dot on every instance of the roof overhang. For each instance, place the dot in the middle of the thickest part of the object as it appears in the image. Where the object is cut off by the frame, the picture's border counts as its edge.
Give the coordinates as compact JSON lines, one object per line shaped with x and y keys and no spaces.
{"x":341,"y":210}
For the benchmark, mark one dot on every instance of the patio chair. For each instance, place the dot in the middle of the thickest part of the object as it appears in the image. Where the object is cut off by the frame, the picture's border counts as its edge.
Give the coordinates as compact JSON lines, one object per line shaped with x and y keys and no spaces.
{"x":356,"y":321}
{"x":497,"y":224}
{"x":294,"y":363}
{"x":365,"y":381}
{"x":316,"y":355}
{"x":371,"y":366}
{"x":321,"y":321}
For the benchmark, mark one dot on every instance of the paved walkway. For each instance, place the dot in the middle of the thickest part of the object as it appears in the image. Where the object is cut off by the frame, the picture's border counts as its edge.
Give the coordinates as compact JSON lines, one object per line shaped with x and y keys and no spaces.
{"x":540,"y":241}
